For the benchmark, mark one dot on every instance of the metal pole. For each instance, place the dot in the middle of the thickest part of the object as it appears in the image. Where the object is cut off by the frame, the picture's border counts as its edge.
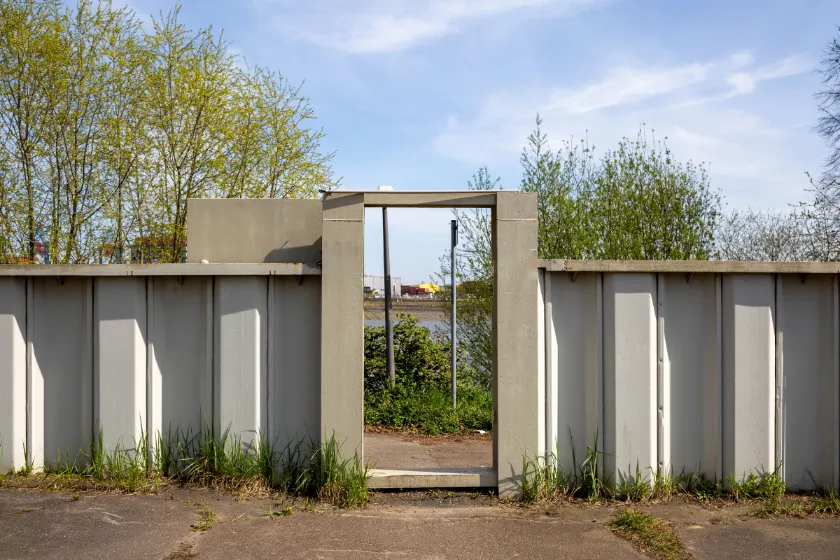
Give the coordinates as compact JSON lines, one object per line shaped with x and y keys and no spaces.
{"x":389,"y":331}
{"x":454,"y":339}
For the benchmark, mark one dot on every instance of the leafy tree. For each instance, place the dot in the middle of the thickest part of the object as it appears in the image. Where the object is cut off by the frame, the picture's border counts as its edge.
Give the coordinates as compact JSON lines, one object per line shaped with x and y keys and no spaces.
{"x":636,"y":202}
{"x":107,"y":128}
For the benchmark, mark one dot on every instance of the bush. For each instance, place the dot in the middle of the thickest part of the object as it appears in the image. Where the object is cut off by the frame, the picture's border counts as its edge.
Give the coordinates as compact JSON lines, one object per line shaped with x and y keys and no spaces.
{"x":429,"y":410}
{"x":421,"y":399}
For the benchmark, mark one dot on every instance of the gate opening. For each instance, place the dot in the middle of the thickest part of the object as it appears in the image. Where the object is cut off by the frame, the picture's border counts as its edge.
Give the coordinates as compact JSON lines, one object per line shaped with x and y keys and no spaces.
{"x":420,"y":429}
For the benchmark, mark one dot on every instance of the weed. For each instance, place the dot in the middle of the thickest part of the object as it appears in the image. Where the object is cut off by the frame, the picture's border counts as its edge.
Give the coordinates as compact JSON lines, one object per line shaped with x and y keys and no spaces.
{"x":633,"y":489}
{"x":207,"y":516}
{"x":650,"y":534}
{"x":283,"y":512}
{"x":75,"y":497}
{"x":546,"y":479}
{"x":760,"y":484}
{"x":28,"y":466}
{"x":828,"y":504}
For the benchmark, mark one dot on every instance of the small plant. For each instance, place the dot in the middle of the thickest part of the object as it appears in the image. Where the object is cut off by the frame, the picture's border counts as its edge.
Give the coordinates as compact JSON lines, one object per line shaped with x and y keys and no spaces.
{"x":828,"y":504}
{"x":28,"y":466}
{"x":761,"y":485}
{"x":282,"y":512}
{"x":545,"y":479}
{"x":635,"y":488}
{"x":75,"y":497}
{"x":649,"y":534}
{"x":207,"y":516}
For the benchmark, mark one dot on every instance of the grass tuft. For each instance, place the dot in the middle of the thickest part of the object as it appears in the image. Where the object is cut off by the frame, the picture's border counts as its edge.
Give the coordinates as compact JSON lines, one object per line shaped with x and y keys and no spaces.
{"x":653,"y":536}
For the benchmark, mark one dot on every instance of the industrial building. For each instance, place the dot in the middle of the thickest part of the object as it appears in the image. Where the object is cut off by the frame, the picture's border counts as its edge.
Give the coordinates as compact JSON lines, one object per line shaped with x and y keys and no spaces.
{"x":375,"y":285}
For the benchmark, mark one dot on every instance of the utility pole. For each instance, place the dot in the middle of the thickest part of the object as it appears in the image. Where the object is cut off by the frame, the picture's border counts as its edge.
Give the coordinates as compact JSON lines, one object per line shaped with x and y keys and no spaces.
{"x":454,"y":344}
{"x":389,"y":330}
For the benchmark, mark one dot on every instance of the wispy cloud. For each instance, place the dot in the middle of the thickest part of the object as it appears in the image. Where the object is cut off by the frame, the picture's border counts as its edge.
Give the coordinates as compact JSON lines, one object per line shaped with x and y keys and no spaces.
{"x":377,"y":26}
{"x":693,"y":104}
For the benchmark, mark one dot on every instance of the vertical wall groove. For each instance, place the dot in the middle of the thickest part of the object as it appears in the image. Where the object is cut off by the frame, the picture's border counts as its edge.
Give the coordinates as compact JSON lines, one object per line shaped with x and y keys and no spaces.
{"x":718,"y":414}
{"x":779,"y":403}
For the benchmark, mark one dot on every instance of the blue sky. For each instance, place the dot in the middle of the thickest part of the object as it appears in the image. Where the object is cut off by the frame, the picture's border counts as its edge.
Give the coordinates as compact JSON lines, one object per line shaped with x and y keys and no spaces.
{"x":419,"y":94}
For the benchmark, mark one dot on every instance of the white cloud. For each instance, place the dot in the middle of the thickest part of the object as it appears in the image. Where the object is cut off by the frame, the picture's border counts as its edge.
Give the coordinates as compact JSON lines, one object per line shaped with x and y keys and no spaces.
{"x":375,"y":26}
{"x":694,"y":105}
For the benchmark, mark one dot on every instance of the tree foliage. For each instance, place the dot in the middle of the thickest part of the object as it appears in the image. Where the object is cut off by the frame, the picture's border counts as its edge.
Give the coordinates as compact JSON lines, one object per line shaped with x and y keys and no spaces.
{"x":635,"y":202}
{"x":107,"y":128}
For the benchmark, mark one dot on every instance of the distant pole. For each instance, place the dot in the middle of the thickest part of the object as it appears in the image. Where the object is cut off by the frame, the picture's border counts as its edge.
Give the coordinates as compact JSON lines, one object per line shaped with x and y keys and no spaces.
{"x":454,"y":344}
{"x":389,"y":331}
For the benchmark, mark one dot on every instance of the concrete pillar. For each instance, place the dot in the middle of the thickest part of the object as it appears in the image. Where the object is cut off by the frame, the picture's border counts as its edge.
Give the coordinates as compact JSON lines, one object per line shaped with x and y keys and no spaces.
{"x":690,"y":373}
{"x":342,"y":321}
{"x":12,"y":372}
{"x":241,"y":357}
{"x":120,"y":360}
{"x":807,"y":316}
{"x":516,"y":395}
{"x":180,"y":355}
{"x":295,"y":360}
{"x":59,"y":344}
{"x":748,"y":316}
{"x":630,"y":376}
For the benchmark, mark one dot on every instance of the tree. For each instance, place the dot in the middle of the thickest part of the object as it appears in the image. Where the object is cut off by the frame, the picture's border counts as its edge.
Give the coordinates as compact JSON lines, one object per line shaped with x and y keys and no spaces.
{"x":636,"y":202}
{"x":107,"y":128}
{"x":474,"y":277}
{"x":822,"y":214}
{"x":754,"y":235}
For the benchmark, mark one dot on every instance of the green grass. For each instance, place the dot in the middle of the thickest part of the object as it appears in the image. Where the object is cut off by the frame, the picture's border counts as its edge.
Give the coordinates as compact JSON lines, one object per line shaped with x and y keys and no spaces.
{"x":429,"y":410}
{"x":653,"y":536}
{"x":305,"y":468}
{"x":545,"y":479}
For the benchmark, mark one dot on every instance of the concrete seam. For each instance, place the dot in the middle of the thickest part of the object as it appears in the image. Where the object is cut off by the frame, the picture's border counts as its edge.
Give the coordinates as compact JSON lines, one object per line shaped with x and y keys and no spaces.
{"x":30,"y":304}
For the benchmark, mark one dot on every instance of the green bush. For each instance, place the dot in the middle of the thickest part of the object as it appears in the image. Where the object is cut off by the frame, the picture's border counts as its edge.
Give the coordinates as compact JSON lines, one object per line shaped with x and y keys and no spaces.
{"x":429,"y":410}
{"x":421,"y":398}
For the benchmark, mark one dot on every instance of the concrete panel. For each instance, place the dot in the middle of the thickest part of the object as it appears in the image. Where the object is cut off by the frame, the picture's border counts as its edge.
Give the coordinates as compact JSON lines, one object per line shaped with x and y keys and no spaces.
{"x":60,"y":419}
{"x":257,"y":230}
{"x":240,"y":375}
{"x":295,"y":367}
{"x":691,"y":372}
{"x":748,"y":317}
{"x":574,"y":355}
{"x":180,"y":364}
{"x":630,"y":394}
{"x":516,"y":398}
{"x":809,"y":433}
{"x":12,"y":372}
{"x":120,"y":360}
{"x":342,"y":322}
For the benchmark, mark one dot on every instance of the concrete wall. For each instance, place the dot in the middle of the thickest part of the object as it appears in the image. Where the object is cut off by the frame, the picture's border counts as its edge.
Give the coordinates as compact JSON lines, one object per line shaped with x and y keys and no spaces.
{"x":253,"y":230}
{"x":711,"y":373}
{"x":134,"y":355}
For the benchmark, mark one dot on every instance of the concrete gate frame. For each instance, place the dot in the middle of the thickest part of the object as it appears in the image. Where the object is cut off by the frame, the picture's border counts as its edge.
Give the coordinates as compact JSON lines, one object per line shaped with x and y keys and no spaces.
{"x":515,"y":374}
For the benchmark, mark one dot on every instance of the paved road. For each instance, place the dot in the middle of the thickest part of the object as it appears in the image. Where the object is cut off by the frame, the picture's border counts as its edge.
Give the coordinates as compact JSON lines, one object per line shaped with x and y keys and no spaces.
{"x":57,"y":525}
